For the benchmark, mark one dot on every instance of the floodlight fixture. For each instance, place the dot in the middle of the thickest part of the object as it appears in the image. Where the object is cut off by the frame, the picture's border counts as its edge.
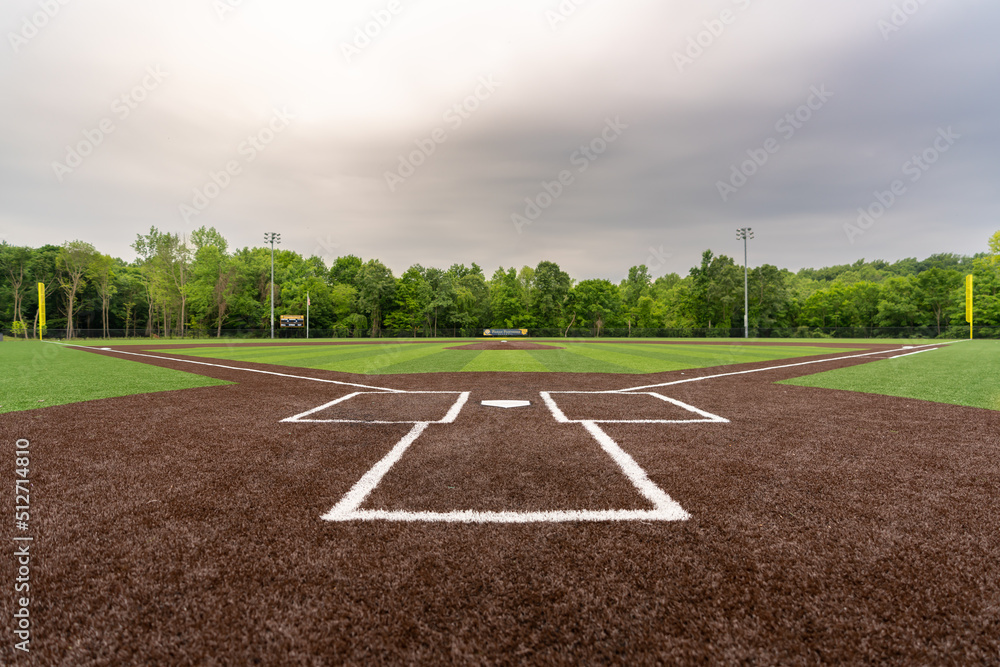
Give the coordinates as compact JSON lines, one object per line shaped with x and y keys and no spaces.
{"x":744,"y":234}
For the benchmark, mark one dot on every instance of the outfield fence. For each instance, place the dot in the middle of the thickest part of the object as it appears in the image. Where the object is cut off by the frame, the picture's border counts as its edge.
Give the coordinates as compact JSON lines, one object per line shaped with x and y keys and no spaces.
{"x":950,"y":332}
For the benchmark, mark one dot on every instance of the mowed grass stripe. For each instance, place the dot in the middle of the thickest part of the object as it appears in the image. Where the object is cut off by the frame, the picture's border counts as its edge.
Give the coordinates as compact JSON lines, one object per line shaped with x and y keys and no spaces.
{"x":632,"y":363}
{"x":575,"y":357}
{"x":665,"y":359}
{"x":378,"y":360}
{"x":276,"y":355}
{"x":966,"y":373}
{"x":350,"y":359}
{"x":505,"y":360}
{"x":443,"y":361}
{"x":568,"y":361}
{"x":41,"y":375}
{"x":676,"y":357}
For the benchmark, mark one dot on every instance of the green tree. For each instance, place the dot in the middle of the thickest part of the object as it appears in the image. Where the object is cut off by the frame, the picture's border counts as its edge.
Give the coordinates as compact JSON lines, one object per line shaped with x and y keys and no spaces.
{"x":75,"y":264}
{"x":551,"y":288}
{"x":506,"y":302}
{"x":936,"y":288}
{"x":768,"y":296}
{"x":345,"y":271}
{"x":375,"y":292}
{"x":442,"y":290}
{"x":472,"y":297}
{"x":15,"y":263}
{"x":717,"y":290}
{"x":103,"y":274}
{"x":636,"y":285}
{"x":898,"y":306}
{"x":412,"y":298}
{"x":598,"y":303}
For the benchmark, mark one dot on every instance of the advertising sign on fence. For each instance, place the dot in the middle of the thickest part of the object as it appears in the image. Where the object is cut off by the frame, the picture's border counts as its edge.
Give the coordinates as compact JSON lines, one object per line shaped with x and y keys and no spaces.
{"x":505,"y":332}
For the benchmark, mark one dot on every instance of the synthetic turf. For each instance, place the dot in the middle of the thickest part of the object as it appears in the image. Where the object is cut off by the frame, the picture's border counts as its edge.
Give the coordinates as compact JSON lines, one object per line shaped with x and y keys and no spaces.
{"x":826,"y":527}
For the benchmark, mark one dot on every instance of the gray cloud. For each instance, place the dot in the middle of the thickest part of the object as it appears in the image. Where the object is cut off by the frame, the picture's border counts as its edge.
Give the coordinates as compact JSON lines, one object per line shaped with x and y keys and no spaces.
{"x":321,"y":180}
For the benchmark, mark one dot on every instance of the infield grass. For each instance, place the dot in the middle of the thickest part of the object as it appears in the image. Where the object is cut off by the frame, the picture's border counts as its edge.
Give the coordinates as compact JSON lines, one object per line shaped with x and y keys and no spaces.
{"x":573,"y":357}
{"x":965,"y":373}
{"x":39,"y":375}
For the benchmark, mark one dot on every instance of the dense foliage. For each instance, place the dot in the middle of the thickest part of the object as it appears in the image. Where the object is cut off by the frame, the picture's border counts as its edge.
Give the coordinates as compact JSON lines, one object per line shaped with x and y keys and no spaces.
{"x":197,"y":285}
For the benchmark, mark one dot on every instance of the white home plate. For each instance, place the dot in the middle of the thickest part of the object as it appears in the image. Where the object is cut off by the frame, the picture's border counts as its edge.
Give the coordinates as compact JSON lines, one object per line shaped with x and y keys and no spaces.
{"x":506,"y":404}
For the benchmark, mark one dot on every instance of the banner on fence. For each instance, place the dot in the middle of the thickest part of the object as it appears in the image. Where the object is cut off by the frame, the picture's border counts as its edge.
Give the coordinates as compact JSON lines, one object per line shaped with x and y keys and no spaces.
{"x":505,"y":332}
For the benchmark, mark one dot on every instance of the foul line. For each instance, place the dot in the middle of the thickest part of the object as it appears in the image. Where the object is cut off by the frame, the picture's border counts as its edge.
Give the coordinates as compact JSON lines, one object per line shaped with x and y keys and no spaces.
{"x":232,"y":368}
{"x":772,"y":368}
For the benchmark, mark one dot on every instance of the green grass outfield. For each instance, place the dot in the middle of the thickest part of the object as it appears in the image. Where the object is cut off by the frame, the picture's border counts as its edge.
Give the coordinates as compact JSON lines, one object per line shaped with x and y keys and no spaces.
{"x":232,"y":342}
{"x":37,"y":375}
{"x":576,"y":356}
{"x":964,"y":373}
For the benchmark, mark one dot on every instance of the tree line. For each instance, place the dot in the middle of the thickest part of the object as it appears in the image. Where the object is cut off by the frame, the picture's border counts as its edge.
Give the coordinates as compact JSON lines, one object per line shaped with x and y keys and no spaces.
{"x":197,"y":285}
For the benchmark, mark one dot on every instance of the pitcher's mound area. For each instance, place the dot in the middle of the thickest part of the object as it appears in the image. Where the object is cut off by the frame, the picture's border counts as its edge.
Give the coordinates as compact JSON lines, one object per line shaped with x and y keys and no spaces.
{"x":500,"y":345}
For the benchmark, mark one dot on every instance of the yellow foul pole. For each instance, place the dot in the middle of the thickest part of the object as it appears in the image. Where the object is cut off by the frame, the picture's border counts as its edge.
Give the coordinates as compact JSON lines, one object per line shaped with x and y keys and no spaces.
{"x":41,"y":309}
{"x":968,"y":302}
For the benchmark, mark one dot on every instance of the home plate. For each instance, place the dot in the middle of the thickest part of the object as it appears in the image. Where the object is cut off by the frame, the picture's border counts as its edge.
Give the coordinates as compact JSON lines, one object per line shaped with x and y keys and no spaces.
{"x":506,"y":404}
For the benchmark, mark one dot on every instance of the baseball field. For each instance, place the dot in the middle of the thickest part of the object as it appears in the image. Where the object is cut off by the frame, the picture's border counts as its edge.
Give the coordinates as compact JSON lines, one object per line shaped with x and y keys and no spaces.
{"x":488,"y":502}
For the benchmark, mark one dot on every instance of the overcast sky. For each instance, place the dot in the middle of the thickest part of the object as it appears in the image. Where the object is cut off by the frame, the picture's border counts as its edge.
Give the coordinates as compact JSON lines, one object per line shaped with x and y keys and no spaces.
{"x":595,"y":134}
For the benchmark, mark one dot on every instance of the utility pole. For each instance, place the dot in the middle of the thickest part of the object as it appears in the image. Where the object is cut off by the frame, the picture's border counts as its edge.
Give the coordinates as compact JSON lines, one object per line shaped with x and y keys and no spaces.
{"x":272,"y":238}
{"x":745,"y":233}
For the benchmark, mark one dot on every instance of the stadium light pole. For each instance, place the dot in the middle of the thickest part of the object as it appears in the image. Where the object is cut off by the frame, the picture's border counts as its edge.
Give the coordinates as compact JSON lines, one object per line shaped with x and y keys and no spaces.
{"x":272,"y":238}
{"x":745,"y":233}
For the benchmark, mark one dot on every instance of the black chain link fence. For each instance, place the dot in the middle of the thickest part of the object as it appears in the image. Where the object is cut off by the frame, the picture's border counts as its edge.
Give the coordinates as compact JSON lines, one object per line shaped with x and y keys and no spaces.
{"x":949,"y":332}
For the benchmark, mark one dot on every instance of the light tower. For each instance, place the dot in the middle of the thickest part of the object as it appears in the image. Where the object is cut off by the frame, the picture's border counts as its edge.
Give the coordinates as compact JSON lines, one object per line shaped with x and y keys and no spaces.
{"x":272,"y":238}
{"x":745,"y":233}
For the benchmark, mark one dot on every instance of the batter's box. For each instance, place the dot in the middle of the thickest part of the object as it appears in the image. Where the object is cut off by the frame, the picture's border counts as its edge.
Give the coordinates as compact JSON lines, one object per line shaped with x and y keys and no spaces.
{"x":633,"y":407}
{"x":378,"y":407}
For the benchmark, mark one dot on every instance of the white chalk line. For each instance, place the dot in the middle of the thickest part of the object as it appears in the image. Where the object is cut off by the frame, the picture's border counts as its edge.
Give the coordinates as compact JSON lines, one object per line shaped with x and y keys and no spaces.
{"x":353,"y":498}
{"x":900,"y":356}
{"x":449,"y":417}
{"x":772,"y":368}
{"x":665,"y":508}
{"x":473,"y":516}
{"x":651,"y":492}
{"x":237,"y":368}
{"x":561,"y":417}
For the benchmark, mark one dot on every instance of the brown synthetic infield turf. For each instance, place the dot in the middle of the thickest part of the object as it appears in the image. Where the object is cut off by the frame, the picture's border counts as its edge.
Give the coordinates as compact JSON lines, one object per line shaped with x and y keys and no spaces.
{"x":826,"y":527}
